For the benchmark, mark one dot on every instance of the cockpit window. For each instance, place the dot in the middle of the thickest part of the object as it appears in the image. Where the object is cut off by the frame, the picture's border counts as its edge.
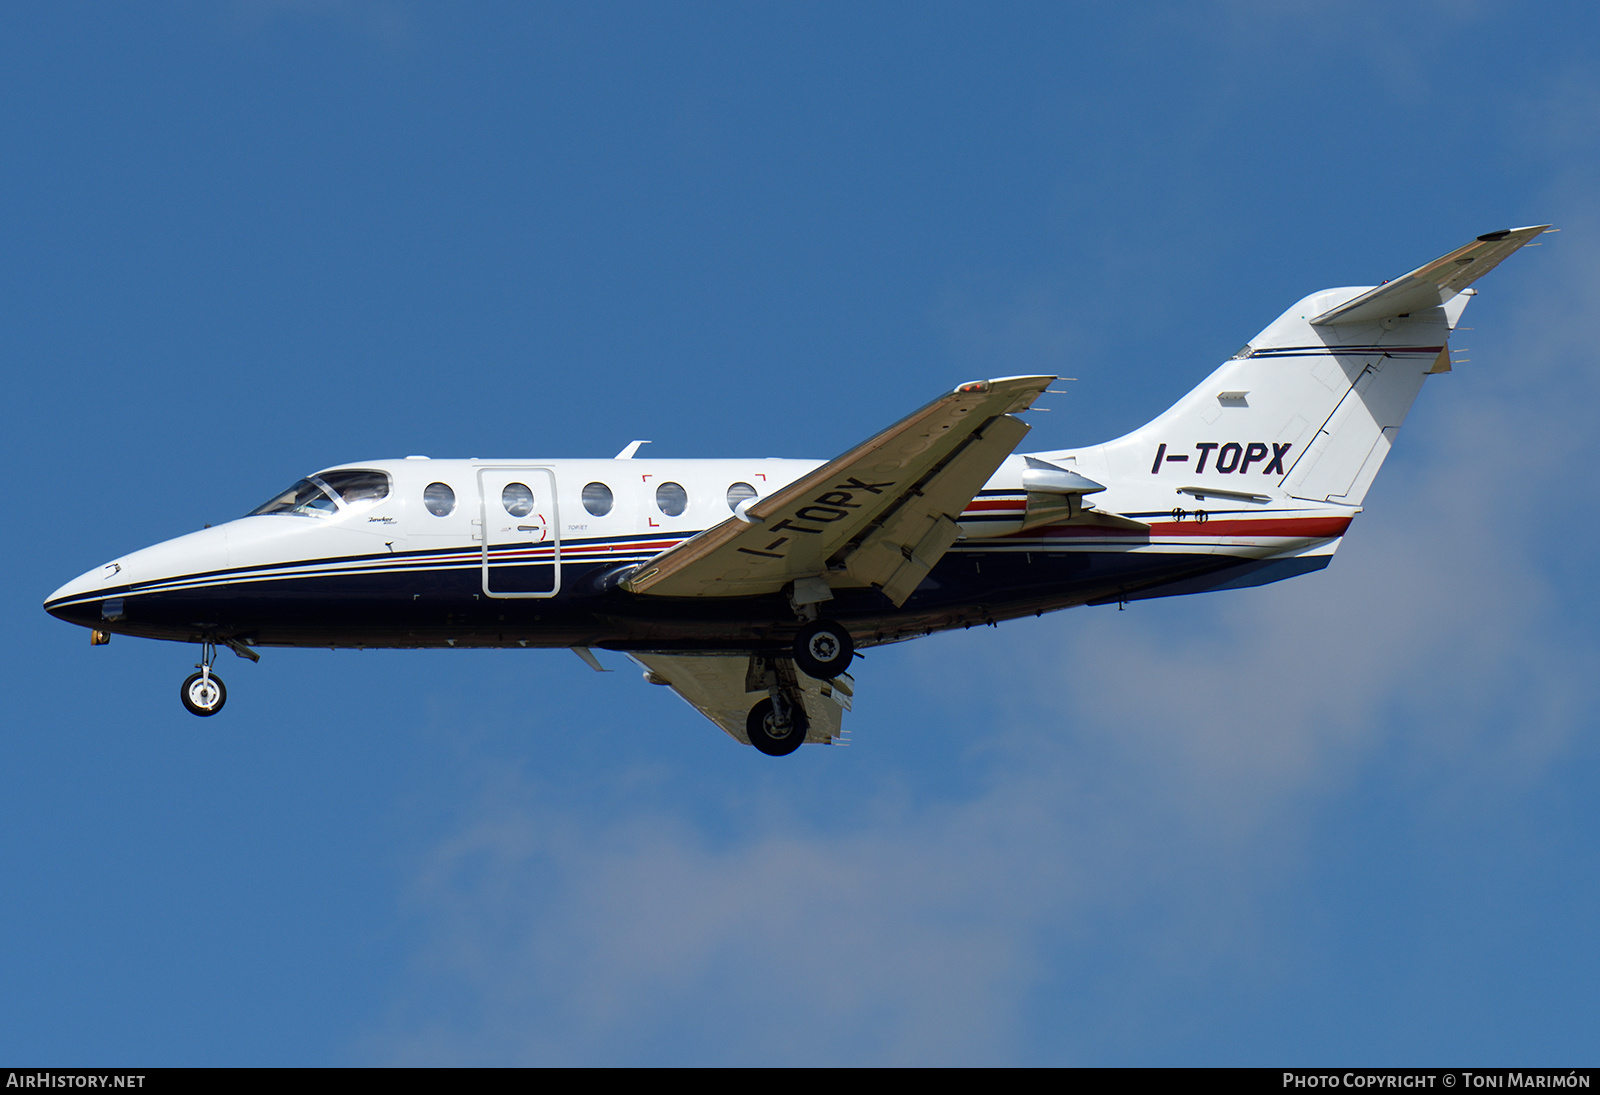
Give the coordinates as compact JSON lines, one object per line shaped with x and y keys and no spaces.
{"x":306,"y":499}
{"x":324,"y":495}
{"x":357,"y":485}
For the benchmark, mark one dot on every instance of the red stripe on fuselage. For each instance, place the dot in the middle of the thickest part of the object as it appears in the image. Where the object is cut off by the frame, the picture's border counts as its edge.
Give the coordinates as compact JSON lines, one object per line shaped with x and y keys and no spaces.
{"x":981,"y":504}
{"x":1308,"y":528}
{"x":1304,"y":528}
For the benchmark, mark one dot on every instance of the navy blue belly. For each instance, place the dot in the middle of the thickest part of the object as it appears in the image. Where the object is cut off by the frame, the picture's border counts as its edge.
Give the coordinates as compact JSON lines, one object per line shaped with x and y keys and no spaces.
{"x":446,"y":606}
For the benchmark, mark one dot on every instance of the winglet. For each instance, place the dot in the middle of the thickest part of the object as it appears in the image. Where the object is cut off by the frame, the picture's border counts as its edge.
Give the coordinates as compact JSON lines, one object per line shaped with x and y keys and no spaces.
{"x":1431,"y":285}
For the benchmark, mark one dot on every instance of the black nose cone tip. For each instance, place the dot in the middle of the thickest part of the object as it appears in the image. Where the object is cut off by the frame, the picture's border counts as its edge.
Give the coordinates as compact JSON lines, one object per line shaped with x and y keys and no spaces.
{"x":83,"y":614}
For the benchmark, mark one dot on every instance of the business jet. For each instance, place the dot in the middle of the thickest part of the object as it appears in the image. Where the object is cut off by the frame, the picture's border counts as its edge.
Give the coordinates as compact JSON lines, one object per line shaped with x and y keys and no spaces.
{"x":747,"y":586}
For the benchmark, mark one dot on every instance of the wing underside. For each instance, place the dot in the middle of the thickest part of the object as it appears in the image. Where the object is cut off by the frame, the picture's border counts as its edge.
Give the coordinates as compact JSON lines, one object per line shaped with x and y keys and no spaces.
{"x":717,"y":686}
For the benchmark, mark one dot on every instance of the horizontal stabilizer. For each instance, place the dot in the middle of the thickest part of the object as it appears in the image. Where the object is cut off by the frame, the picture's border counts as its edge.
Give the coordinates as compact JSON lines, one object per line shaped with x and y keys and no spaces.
{"x":1431,"y":285}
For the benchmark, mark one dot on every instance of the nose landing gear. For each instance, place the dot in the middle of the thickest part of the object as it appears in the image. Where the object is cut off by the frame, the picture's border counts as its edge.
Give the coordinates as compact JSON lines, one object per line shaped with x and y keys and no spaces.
{"x":204,"y":693}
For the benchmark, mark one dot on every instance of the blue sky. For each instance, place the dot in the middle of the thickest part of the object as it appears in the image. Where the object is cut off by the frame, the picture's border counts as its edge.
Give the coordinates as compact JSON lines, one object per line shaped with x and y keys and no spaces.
{"x":1348,"y":818}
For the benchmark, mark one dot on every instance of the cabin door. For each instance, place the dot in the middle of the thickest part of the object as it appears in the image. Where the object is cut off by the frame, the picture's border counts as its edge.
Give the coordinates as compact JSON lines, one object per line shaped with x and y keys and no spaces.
{"x":520,"y":530}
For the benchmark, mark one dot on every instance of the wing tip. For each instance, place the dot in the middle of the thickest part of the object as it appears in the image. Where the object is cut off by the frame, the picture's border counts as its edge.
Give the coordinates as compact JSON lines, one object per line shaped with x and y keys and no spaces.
{"x":1034,"y":380}
{"x":1496,"y":237}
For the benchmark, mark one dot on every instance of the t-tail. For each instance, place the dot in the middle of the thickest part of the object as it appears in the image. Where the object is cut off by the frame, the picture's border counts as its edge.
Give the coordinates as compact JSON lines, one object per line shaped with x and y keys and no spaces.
{"x":1310,"y":407}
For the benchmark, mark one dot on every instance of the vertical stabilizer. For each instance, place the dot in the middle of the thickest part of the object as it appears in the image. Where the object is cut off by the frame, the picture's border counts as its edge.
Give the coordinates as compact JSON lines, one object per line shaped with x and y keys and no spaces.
{"x":1310,"y":407}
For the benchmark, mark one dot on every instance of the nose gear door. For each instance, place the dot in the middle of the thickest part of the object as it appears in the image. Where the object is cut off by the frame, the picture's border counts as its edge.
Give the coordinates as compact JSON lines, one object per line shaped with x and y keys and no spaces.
{"x":520,"y":529}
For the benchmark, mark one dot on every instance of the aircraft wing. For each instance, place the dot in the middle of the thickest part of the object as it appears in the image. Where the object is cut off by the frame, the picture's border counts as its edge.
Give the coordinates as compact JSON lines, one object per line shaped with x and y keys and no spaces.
{"x":715,"y":686}
{"x":1431,"y":285}
{"x":880,"y":515}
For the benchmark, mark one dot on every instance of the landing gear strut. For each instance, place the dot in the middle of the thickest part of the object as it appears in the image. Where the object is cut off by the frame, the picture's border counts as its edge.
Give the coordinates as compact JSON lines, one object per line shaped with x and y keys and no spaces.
{"x":204,"y":693}
{"x":823,"y":650}
{"x":776,"y":725}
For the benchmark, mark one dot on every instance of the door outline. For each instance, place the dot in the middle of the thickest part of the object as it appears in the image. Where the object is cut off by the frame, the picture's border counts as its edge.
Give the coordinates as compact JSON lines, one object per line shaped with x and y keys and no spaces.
{"x":552,"y":524}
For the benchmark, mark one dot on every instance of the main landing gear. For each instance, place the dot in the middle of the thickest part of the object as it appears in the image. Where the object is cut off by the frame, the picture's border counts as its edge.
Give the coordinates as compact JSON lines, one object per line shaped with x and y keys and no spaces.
{"x":777,"y":726}
{"x":823,"y":650}
{"x":204,"y":693}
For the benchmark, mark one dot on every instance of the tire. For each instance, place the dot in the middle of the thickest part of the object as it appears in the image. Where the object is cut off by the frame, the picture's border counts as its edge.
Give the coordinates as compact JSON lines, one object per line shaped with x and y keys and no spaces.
{"x":201,"y":700}
{"x":823,"y":650}
{"x":758,"y":724}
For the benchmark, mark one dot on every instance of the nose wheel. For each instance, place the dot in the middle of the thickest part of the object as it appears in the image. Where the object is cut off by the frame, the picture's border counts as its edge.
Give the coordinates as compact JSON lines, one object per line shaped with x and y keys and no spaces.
{"x":204,"y":693}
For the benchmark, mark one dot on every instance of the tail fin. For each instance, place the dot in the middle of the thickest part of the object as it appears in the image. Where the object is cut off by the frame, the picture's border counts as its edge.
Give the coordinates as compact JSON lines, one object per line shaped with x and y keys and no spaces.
{"x":1311,"y":405}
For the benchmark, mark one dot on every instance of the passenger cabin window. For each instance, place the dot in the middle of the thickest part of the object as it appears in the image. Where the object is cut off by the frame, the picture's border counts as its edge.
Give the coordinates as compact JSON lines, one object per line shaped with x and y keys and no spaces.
{"x":671,"y":499}
{"x":738,"y":493}
{"x":326,"y":494}
{"x":597,"y":499}
{"x":517,"y":499}
{"x":439,"y":499}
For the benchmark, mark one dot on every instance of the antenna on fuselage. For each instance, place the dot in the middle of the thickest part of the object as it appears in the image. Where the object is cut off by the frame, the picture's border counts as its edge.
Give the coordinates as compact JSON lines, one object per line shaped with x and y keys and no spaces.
{"x":627,"y":453}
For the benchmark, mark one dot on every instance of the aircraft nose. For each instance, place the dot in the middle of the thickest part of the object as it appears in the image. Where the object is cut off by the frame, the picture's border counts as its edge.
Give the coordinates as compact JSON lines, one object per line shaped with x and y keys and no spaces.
{"x":98,"y":597}
{"x":81,"y":601}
